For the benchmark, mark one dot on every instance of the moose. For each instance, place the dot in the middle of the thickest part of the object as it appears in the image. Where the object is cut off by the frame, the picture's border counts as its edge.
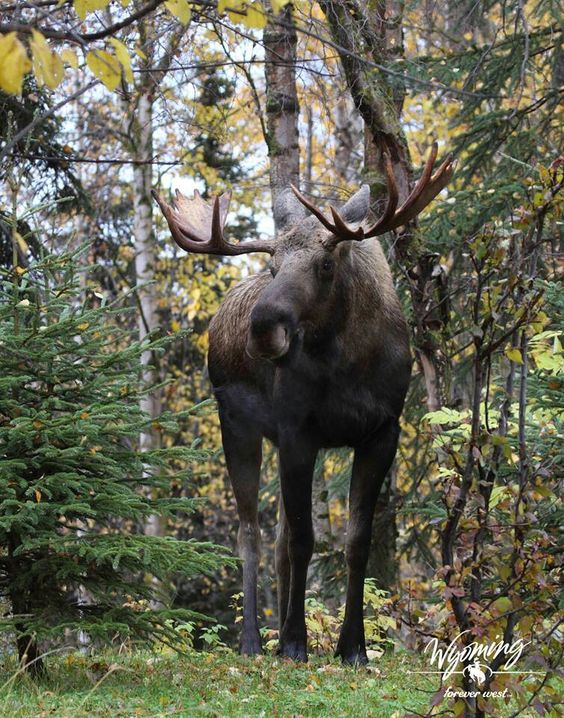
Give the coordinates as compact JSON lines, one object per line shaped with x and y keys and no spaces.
{"x":311,"y":354}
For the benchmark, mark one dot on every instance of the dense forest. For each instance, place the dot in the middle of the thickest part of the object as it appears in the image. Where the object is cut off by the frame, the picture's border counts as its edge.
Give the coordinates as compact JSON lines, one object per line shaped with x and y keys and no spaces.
{"x":118,"y":525}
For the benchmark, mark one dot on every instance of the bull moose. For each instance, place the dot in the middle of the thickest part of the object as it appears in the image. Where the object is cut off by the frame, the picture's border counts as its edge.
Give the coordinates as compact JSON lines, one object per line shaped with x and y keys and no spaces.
{"x":311,"y":354}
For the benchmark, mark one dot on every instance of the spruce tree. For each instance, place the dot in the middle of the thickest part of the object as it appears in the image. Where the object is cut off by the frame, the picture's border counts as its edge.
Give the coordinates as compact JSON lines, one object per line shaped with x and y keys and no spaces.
{"x":74,"y":488}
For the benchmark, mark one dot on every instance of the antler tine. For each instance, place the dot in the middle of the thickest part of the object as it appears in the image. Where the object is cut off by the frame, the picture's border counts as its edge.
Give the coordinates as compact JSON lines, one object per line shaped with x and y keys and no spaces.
{"x":426,"y":189}
{"x":167,"y":211}
{"x":393,"y":197}
{"x":437,"y":182}
{"x":313,"y":209}
{"x":342,"y":228}
{"x":191,"y":240}
{"x":339,"y":228}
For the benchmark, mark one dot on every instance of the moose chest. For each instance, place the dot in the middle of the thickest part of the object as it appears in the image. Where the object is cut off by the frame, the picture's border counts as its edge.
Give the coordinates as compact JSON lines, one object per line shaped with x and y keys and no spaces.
{"x":333,"y":406}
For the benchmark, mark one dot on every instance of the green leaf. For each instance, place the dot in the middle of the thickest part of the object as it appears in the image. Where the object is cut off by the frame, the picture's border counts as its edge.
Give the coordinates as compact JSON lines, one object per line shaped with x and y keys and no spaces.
{"x":445,"y":416}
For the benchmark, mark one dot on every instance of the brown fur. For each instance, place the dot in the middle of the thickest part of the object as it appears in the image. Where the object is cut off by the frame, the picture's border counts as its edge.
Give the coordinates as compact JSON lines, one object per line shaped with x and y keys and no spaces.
{"x":375,"y":318}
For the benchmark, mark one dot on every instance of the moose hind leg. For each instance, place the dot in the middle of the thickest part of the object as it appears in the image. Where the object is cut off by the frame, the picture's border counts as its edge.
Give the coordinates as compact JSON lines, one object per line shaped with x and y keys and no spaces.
{"x":372,"y":462}
{"x":243,"y":454}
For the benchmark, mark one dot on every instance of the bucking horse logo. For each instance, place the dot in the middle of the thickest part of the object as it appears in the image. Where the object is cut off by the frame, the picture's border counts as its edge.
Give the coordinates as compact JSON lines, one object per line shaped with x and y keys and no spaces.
{"x":475,"y":672}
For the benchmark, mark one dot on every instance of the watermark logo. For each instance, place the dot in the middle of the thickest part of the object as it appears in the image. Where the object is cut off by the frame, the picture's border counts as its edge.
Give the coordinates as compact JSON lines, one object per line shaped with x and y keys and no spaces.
{"x":472,"y":659}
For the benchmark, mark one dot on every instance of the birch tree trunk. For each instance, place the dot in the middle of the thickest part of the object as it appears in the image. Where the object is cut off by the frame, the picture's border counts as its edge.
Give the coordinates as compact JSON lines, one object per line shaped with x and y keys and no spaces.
{"x":145,"y":265}
{"x":139,"y":142}
{"x":282,"y":108}
{"x":349,"y":133}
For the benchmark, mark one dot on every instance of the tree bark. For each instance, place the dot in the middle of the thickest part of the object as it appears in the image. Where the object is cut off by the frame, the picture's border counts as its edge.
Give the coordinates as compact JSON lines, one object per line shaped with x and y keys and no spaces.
{"x":140,"y":136}
{"x":145,"y":262}
{"x":282,"y":108}
{"x":349,"y":132}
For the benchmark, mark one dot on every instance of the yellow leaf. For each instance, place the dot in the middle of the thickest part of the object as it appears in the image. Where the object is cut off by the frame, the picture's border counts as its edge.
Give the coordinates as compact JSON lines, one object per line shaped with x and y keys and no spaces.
{"x":122,"y":55}
{"x":14,"y":63}
{"x":37,"y":424}
{"x":83,"y":326}
{"x":174,"y":325}
{"x":38,"y":496}
{"x":84,"y":415}
{"x":277,"y":5}
{"x":180,"y":9}
{"x":47,"y":65}
{"x":255,"y":16}
{"x":514,"y":354}
{"x":106,"y":67}
{"x":69,"y":56}
{"x":223,"y":5}
{"x":83,"y":7}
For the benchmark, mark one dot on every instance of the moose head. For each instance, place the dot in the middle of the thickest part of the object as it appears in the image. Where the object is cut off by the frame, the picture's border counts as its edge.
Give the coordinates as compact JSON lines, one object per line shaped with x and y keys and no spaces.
{"x":309,"y":259}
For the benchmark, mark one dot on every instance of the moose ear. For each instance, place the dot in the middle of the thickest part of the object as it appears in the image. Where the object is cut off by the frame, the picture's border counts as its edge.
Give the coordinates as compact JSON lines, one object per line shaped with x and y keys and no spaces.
{"x":287,"y":210}
{"x":356,"y":208}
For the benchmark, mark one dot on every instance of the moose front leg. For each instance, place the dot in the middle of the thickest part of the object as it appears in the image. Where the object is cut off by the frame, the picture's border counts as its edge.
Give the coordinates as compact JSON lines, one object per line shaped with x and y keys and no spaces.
{"x":282,"y":566}
{"x":242,"y":445}
{"x":297,"y":462}
{"x":372,"y":462}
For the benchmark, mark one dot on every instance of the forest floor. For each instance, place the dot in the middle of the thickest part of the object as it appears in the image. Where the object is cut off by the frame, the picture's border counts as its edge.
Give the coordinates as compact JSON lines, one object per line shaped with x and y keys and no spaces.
{"x":221,"y":684}
{"x":215,"y":685}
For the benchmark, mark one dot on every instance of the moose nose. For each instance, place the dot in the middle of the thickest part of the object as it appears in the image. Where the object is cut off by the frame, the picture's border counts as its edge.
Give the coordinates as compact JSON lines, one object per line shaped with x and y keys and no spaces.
{"x":270,"y":332}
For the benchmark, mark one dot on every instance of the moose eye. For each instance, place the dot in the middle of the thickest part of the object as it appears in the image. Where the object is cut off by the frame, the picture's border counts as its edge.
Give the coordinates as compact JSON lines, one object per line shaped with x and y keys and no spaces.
{"x":327,"y":266}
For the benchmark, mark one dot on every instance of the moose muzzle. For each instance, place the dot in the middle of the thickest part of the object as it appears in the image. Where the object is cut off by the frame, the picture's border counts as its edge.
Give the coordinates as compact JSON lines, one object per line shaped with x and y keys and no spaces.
{"x":271,"y":331}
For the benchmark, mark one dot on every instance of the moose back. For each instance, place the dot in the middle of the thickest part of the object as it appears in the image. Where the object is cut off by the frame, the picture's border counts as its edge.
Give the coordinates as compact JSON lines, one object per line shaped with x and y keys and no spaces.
{"x":312,"y":354}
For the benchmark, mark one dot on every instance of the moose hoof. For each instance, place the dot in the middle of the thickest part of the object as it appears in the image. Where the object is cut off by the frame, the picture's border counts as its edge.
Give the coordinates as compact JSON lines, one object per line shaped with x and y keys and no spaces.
{"x":250,"y":645}
{"x":294,"y":650}
{"x":352,"y":656}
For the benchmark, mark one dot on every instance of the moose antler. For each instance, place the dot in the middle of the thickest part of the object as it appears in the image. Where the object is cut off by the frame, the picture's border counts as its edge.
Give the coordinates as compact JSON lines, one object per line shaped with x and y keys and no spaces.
{"x":426,"y":189}
{"x":197,"y":225}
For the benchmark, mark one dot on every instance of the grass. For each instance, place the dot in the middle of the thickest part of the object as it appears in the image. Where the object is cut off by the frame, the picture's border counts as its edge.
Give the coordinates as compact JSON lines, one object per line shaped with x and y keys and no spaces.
{"x":215,"y":685}
{"x":221,"y":684}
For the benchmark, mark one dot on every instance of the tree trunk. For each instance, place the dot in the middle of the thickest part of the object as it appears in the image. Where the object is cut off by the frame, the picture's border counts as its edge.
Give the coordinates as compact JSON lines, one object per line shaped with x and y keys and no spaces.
{"x":145,"y":265}
{"x":349,"y":131}
{"x":28,"y":649}
{"x":281,"y":101}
